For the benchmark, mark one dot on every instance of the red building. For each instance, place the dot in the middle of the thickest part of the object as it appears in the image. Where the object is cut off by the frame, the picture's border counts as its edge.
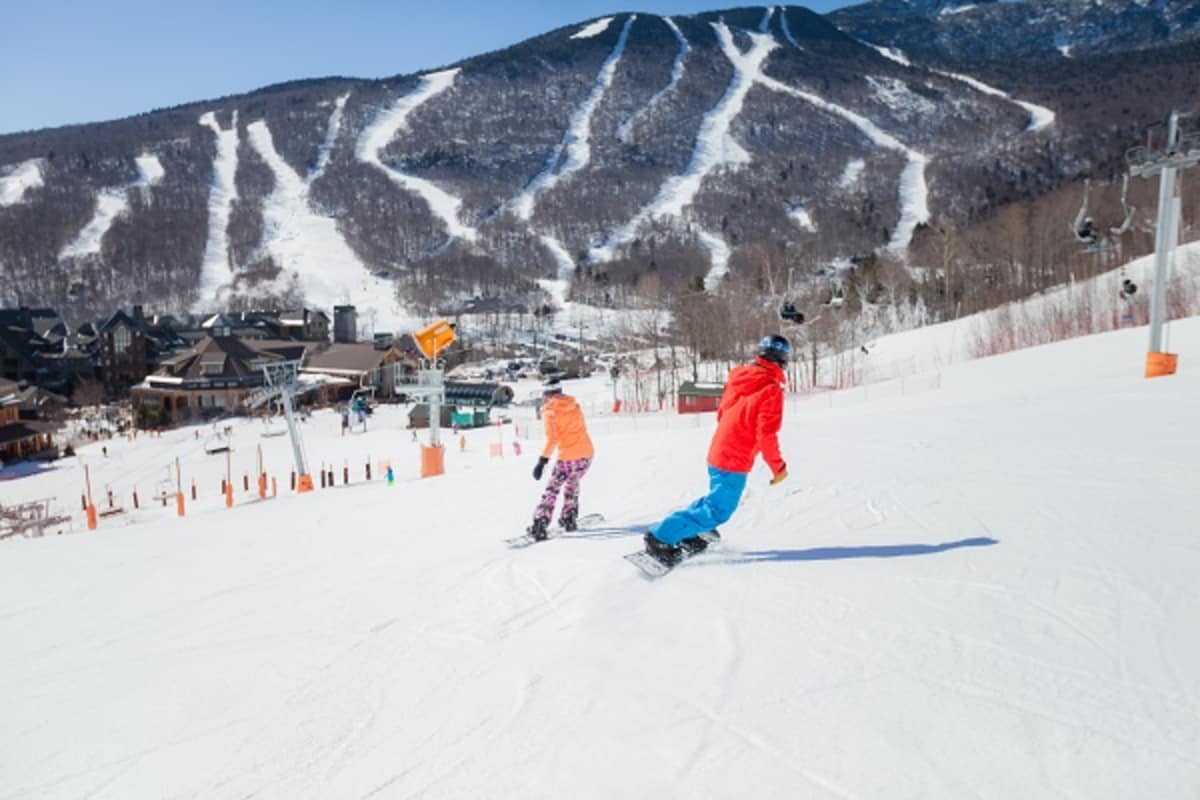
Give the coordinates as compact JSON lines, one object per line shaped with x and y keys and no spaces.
{"x":697,"y":398}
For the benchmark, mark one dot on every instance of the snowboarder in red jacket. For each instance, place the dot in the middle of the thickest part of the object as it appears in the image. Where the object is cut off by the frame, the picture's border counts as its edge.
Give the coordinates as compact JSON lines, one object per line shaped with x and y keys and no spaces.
{"x":748,"y":423}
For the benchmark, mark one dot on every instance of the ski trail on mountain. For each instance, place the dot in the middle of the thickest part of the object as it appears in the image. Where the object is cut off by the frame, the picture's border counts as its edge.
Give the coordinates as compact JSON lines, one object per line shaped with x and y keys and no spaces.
{"x":714,"y":148}
{"x":110,"y":204}
{"x":557,"y":287}
{"x":23,"y":177}
{"x":576,"y":141}
{"x":308,"y":247}
{"x":787,"y":32}
{"x":914,"y":192}
{"x":1039,"y":116}
{"x":215,"y":271}
{"x":851,"y":173}
{"x":718,"y":252}
{"x":331,"y":135}
{"x":383,"y":130}
{"x":765,"y":25}
{"x":593,"y":29}
{"x":626,"y":127}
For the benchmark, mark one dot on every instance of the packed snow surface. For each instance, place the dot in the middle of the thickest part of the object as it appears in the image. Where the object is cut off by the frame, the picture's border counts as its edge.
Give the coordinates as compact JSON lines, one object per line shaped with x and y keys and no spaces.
{"x":111,"y":203}
{"x":216,"y":272}
{"x":987,"y":589}
{"x":392,"y":121}
{"x":18,"y":180}
{"x":714,"y":147}
{"x":311,"y":251}
{"x":575,"y":150}
{"x":1039,"y":116}
{"x":625,"y":130}
{"x":593,"y":29}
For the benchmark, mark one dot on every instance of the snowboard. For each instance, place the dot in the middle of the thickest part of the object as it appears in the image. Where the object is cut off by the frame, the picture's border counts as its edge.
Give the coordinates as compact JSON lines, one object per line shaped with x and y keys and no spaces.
{"x":652,"y":568}
{"x":524,"y":540}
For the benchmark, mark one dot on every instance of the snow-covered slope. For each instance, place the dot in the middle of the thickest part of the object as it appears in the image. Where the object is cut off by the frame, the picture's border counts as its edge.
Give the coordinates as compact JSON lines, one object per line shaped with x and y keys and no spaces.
{"x":982,"y":591}
{"x":18,"y":179}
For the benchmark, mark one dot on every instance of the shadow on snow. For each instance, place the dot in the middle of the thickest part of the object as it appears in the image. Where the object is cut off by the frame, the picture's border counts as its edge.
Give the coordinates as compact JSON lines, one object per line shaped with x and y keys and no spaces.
{"x":866,"y":551}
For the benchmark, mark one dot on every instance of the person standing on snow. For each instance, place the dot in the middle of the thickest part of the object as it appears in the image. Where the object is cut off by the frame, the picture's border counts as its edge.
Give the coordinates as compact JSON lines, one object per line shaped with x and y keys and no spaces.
{"x":748,"y":423}
{"x":565,"y":430}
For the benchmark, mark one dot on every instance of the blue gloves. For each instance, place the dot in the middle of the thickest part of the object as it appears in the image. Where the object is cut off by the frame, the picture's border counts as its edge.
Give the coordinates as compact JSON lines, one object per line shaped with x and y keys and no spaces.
{"x":541,"y":466}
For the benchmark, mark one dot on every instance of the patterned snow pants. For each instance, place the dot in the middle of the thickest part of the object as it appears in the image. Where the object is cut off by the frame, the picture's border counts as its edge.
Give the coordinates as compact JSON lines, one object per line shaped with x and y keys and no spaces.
{"x":565,"y":477}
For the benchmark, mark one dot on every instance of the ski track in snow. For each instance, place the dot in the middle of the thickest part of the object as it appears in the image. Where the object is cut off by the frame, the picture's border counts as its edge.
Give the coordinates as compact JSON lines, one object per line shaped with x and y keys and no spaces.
{"x":331,"y":135}
{"x":800,"y":215}
{"x":216,"y":273}
{"x":715,"y":147}
{"x":111,"y":203}
{"x":19,"y":180}
{"x":718,"y":252}
{"x":765,"y":25}
{"x":593,"y":29}
{"x":1039,"y":116}
{"x":626,"y":128}
{"x":914,"y":193}
{"x":309,"y":247}
{"x":557,"y":288}
{"x":850,"y":175}
{"x":383,"y":130}
{"x":576,"y":141}
{"x":787,"y":32}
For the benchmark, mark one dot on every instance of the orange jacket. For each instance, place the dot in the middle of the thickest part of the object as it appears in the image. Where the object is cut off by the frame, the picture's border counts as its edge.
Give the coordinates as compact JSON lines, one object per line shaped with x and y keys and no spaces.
{"x":749,"y":418}
{"x":565,"y":429}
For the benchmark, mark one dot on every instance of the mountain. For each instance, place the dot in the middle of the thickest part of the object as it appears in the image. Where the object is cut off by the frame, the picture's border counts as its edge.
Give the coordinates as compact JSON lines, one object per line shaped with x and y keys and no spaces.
{"x":628,"y":157}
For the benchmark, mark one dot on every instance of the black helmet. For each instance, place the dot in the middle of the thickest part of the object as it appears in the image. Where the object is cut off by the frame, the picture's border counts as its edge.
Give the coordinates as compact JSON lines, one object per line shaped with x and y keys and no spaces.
{"x":775,"y":348}
{"x":552,"y":385}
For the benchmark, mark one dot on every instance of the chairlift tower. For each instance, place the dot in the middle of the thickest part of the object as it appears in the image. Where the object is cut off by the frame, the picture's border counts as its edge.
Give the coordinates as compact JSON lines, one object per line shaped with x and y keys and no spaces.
{"x":430,"y":388}
{"x":1179,"y":152}
{"x":282,"y":381}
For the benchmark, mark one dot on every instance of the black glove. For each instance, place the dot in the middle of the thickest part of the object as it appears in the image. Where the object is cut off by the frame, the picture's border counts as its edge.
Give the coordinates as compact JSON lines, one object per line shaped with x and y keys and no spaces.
{"x":541,"y":465}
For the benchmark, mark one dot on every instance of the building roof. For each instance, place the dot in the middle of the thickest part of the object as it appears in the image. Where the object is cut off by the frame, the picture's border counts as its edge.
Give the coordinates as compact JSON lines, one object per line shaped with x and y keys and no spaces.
{"x":346,"y":357}
{"x":234,"y":357}
{"x":690,"y":389}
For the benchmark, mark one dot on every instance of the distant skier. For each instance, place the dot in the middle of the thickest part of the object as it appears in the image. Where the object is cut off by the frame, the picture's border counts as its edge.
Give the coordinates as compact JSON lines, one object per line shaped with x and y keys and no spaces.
{"x":566,"y":431}
{"x":748,"y":423}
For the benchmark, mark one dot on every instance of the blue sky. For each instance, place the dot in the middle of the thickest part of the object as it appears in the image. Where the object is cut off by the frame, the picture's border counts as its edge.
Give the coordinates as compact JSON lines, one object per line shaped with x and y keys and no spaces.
{"x":71,"y":61}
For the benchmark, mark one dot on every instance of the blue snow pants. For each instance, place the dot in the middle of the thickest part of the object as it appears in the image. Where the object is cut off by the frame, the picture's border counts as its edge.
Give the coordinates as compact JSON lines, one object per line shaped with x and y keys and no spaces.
{"x":724,"y":491}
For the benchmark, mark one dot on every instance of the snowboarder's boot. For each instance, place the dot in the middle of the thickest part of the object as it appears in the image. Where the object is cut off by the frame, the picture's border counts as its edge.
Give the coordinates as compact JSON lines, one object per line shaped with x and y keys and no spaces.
{"x":569,"y":522}
{"x":537,"y":530}
{"x":667,"y":554}
{"x":695,"y":545}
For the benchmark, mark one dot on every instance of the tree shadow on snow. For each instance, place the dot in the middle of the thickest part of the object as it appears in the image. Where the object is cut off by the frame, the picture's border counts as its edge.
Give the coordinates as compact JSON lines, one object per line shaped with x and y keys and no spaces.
{"x":866,"y":551}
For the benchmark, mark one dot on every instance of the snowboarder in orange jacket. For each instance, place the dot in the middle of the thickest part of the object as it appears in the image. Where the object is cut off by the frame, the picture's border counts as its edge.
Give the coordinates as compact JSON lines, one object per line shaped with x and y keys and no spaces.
{"x":566,"y":432}
{"x":748,"y":423}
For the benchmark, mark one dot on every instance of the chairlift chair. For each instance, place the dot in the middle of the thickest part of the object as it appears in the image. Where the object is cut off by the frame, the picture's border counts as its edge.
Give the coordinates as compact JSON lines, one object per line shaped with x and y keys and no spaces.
{"x":1084,"y":228}
{"x":788,"y":313}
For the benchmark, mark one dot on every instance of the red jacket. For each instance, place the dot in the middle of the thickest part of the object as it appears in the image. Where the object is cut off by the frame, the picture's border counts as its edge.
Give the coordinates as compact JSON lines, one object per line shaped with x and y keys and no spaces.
{"x":749,"y":419}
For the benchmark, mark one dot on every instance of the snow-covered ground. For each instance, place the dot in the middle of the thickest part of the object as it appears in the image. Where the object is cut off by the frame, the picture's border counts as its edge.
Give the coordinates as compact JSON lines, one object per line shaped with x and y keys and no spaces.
{"x":110,"y":204}
{"x":574,"y":150}
{"x":18,"y":179}
{"x":625,"y":130}
{"x":392,"y":121}
{"x":714,"y":148}
{"x":216,"y":272}
{"x":309,"y":248}
{"x":984,"y":590}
